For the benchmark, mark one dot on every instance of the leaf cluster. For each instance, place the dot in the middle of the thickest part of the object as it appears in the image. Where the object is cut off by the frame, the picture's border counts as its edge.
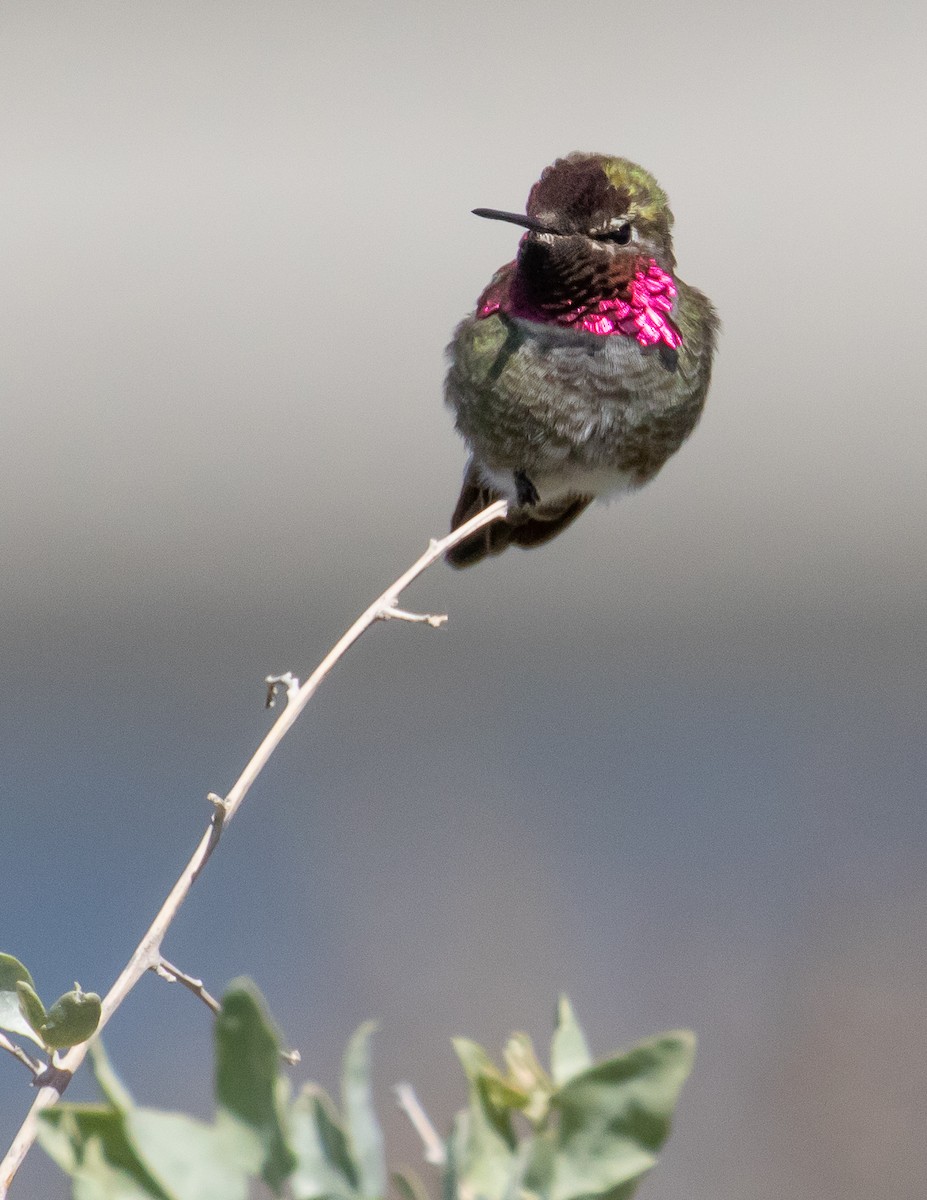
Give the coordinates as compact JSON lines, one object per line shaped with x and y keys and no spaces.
{"x":578,"y":1130}
{"x":72,"y":1018}
{"x":589,"y":1129}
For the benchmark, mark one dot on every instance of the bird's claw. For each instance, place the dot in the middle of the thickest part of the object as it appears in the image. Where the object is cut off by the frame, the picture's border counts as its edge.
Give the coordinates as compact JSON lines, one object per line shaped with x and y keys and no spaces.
{"x":525,"y":491}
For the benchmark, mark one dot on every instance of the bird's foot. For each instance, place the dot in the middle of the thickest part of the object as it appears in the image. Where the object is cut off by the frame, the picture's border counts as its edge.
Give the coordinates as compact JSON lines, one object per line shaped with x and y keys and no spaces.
{"x":525,"y":491}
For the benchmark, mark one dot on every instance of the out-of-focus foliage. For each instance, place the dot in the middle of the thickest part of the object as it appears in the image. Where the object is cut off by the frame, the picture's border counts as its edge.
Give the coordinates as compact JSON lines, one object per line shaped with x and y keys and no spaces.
{"x":577,"y":1129}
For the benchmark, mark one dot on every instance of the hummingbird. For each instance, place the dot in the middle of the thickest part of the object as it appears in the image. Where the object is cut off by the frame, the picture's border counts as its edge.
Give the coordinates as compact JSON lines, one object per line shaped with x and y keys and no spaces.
{"x":587,"y":360}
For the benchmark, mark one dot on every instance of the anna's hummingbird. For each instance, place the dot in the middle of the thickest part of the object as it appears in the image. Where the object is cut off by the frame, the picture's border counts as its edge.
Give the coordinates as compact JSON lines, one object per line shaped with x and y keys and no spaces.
{"x":587,"y":360}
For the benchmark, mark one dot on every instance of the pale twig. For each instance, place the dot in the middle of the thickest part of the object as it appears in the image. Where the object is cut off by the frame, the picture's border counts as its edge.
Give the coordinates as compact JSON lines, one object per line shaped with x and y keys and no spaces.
{"x":394,"y":613}
{"x":147,"y":954}
{"x":167,"y":971}
{"x":287,"y":682}
{"x":421,"y":1123}
{"x":30,"y":1063}
{"x":220,"y":810}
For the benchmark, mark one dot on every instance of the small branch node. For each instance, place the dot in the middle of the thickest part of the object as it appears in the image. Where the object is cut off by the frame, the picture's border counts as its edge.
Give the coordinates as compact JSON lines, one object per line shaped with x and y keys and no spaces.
{"x":220,"y":804}
{"x":167,"y":971}
{"x":392,"y":612}
{"x":220,"y":810}
{"x":287,"y":683}
{"x":54,"y":1077}
{"x":431,"y":1141}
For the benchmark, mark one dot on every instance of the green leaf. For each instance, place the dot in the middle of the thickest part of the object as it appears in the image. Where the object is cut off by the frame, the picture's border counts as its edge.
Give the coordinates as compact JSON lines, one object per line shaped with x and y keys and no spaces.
{"x":569,"y":1054}
{"x":615,"y":1116}
{"x":97,"y":1179}
{"x":90,"y":1143}
{"x":363,"y":1128}
{"x":247,"y":1077}
{"x":525,"y":1072}
{"x":541,"y":1164}
{"x":453,"y":1149}
{"x":31,"y":1007}
{"x":516,"y":1189}
{"x":73,"y":1018}
{"x":481,"y":1150}
{"x":498,"y":1095}
{"x":323,"y":1158}
{"x":527,"y":1077}
{"x":408,"y":1186}
{"x":12,"y":972}
{"x":108,"y":1081}
{"x":456,"y":1156}
{"x":192,"y":1160}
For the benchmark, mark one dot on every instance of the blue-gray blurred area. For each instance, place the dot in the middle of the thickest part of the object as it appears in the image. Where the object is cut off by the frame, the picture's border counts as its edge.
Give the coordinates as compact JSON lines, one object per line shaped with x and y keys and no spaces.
{"x":673,"y":764}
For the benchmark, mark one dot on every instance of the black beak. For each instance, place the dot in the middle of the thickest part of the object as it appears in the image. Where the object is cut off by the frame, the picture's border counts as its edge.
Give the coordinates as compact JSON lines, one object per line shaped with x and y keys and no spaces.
{"x":494,"y":214}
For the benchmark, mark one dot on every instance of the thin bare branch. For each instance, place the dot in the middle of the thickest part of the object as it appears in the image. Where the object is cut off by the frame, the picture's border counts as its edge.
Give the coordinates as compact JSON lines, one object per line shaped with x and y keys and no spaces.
{"x":394,"y":613}
{"x":30,"y":1063}
{"x":421,"y":1123}
{"x":147,"y":954}
{"x":166,"y":970}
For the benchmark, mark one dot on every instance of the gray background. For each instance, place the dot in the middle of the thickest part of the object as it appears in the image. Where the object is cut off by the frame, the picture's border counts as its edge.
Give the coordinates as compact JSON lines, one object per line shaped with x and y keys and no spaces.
{"x":674,"y":763}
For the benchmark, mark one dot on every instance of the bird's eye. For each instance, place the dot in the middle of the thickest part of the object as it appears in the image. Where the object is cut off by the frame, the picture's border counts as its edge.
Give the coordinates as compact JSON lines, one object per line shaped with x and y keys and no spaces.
{"x":621,"y":236}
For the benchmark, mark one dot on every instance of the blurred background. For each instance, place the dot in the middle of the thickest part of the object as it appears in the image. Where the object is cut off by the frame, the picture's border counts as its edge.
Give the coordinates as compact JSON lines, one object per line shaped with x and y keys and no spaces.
{"x":673,"y":764}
